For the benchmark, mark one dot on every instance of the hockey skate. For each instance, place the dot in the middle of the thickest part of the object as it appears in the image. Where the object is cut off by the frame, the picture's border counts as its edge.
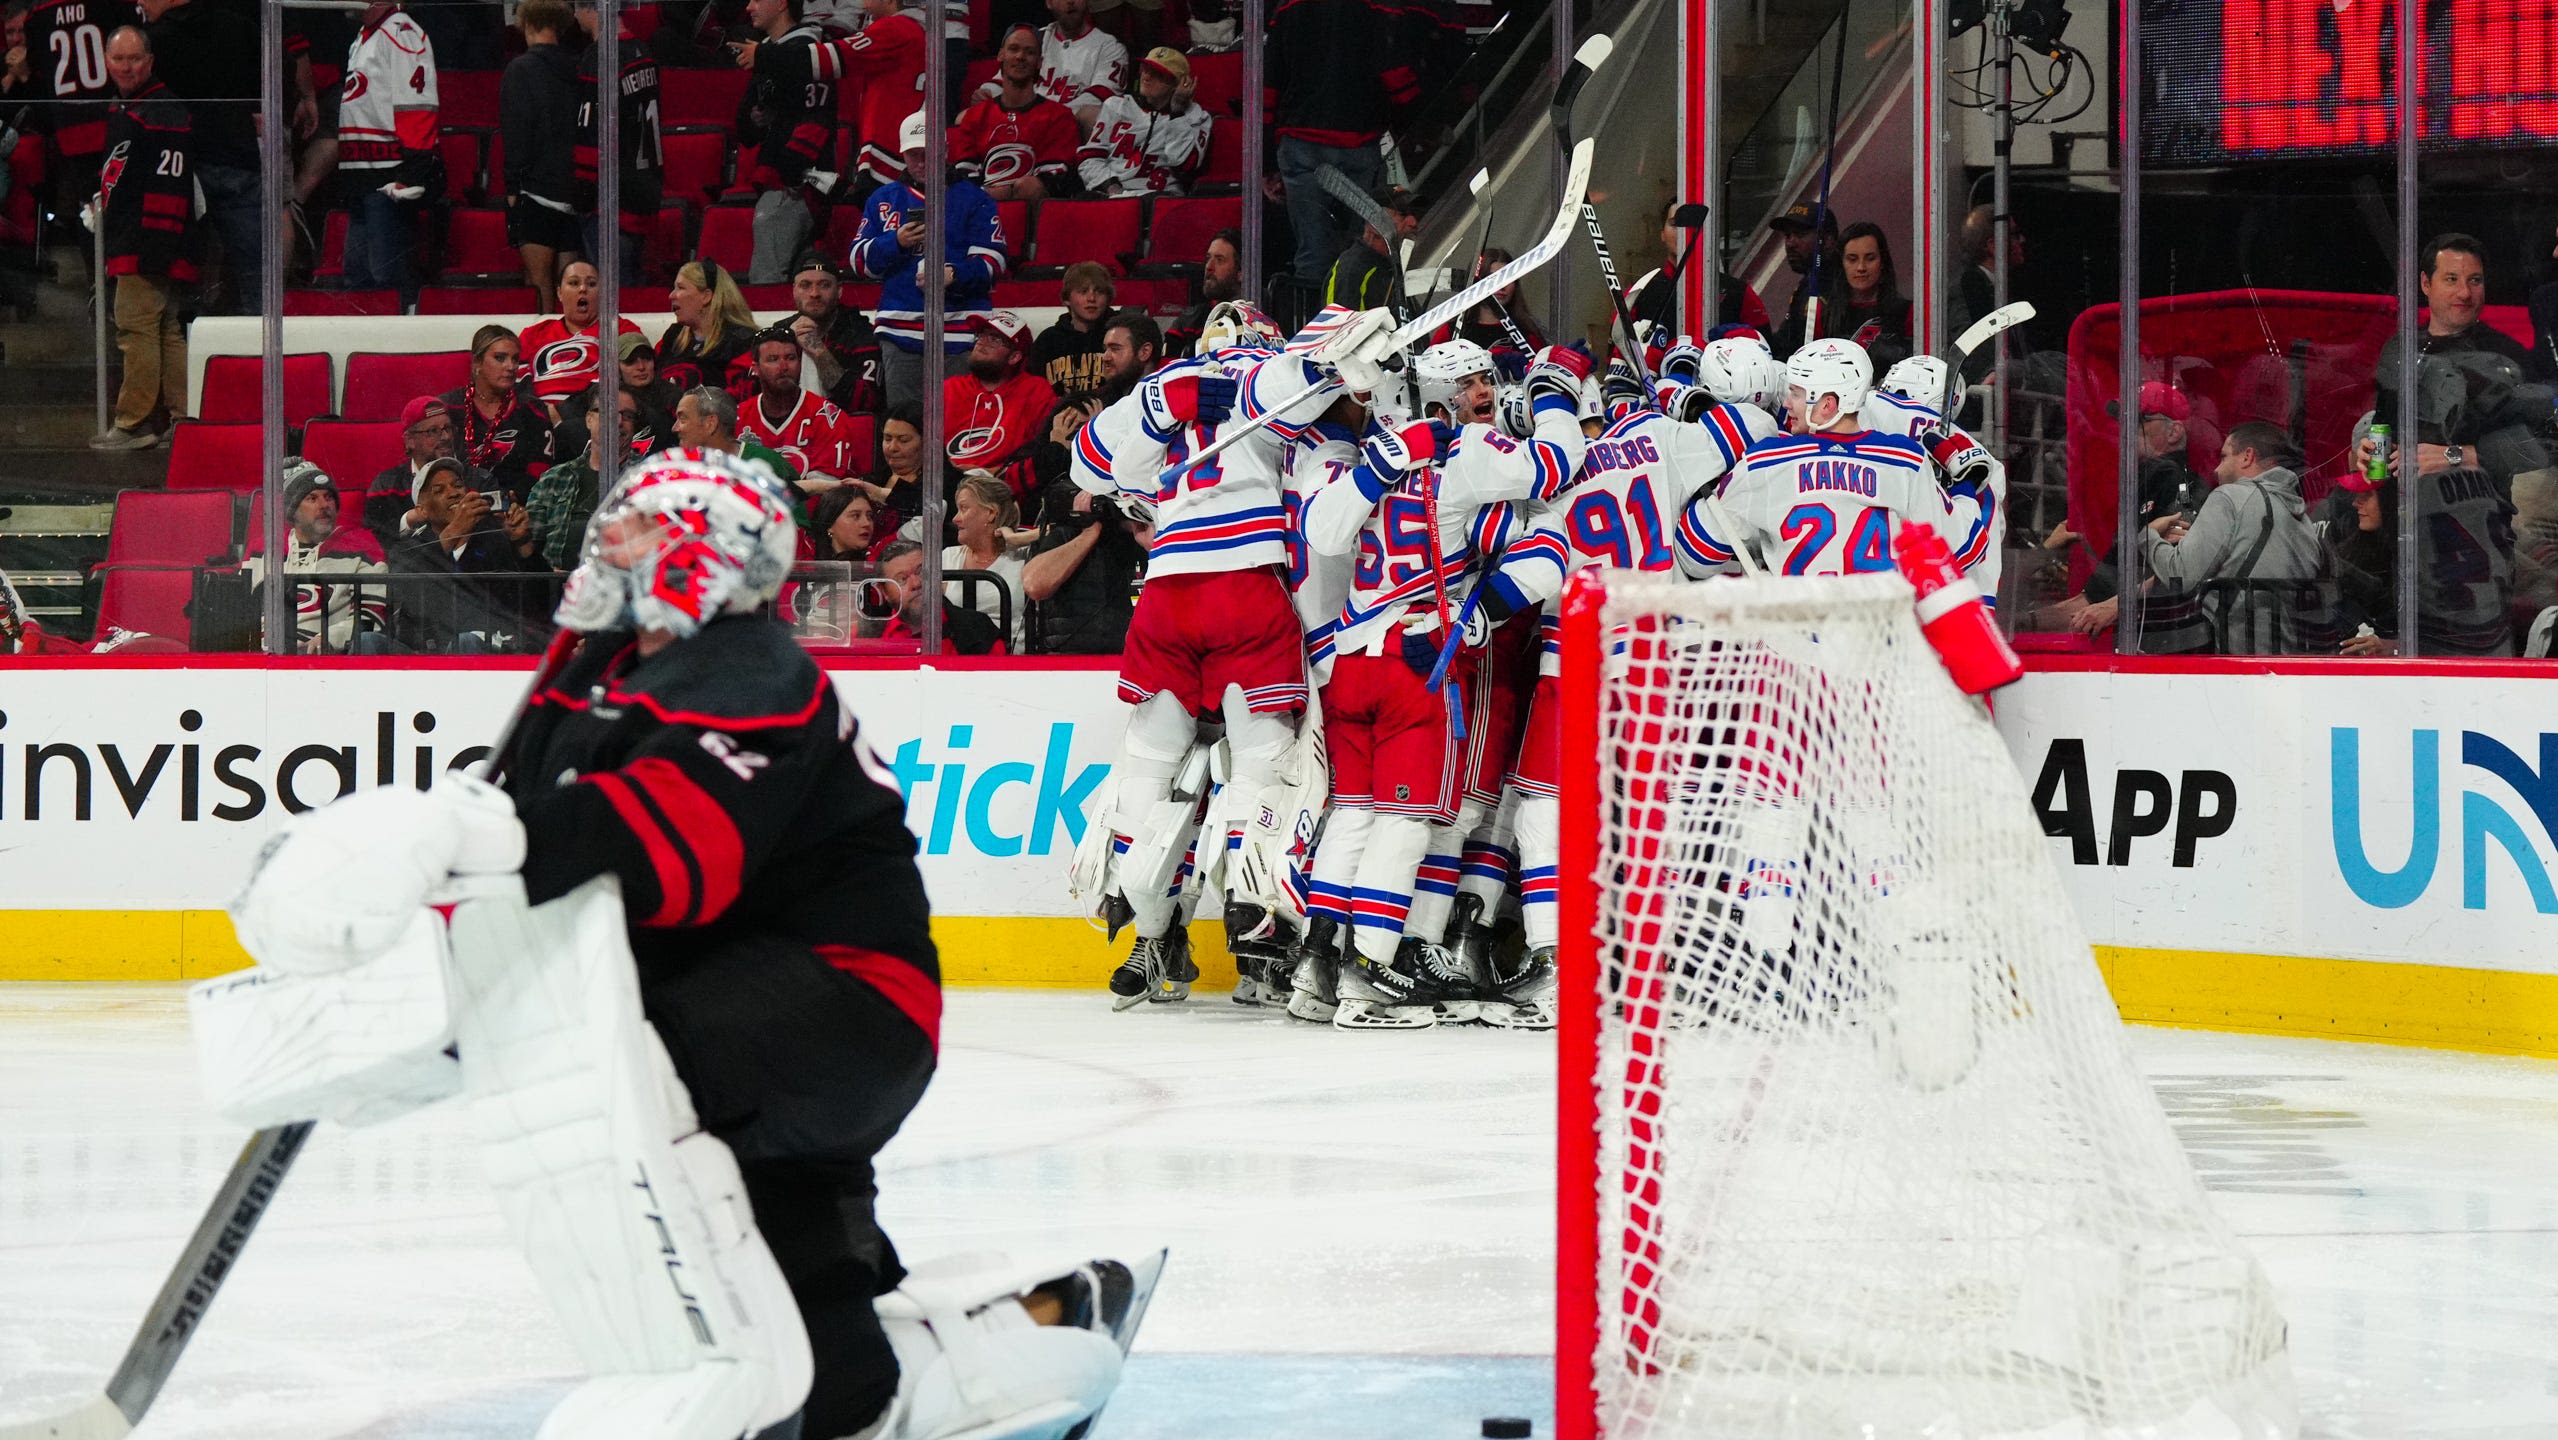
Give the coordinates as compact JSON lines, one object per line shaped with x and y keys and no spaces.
{"x":1523,"y":999}
{"x":1141,"y":975}
{"x":1452,"y":982}
{"x":1262,"y":948}
{"x":1398,"y":995}
{"x":1470,"y":935}
{"x":1173,"y":986}
{"x":1312,"y":993}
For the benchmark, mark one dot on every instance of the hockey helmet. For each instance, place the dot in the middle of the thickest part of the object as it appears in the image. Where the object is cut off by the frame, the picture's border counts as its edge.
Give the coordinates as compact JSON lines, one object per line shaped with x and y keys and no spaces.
{"x":1920,"y":377}
{"x":1830,"y":366}
{"x":1445,"y":370}
{"x":1233,"y":323}
{"x":679,"y":540}
{"x":1738,"y":370}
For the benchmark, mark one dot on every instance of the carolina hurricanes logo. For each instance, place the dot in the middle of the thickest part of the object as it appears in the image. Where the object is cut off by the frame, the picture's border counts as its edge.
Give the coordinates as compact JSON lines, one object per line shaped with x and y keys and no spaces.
{"x":113,"y":170}
{"x":1010,"y":161}
{"x":575,"y":355}
{"x":355,"y":87}
{"x":980,"y":440}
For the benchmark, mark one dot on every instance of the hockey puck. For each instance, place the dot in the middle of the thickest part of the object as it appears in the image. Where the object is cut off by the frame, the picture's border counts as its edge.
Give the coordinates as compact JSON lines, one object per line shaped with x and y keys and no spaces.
{"x":1507,"y":1427}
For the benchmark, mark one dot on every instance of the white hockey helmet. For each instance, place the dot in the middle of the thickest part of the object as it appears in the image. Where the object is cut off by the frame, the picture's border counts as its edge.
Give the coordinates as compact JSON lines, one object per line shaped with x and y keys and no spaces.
{"x":1233,"y":323}
{"x":1830,"y":366}
{"x":1741,"y":370}
{"x":1445,"y":369}
{"x":684,"y":537}
{"x":1920,"y":377}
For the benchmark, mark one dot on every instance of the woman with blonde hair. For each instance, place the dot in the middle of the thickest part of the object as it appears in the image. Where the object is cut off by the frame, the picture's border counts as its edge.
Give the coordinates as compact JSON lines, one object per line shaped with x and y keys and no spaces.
{"x":712,"y":341}
{"x":983,"y":511}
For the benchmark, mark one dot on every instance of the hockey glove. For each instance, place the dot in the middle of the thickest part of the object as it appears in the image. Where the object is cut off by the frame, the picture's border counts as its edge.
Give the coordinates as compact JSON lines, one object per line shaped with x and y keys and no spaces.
{"x":1624,"y":387}
{"x":1392,"y":454}
{"x":1191,"y":398}
{"x":1682,"y":401}
{"x":1559,"y":371}
{"x":1683,"y":361}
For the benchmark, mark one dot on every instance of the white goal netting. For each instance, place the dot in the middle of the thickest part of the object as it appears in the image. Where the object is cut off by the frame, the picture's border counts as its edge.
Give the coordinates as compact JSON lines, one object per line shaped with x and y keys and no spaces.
{"x":1873,"y":1157}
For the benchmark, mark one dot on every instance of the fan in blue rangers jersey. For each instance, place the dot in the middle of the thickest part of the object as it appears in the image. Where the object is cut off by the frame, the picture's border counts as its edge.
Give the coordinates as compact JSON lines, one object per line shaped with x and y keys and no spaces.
{"x":1822,"y":500}
{"x":1906,"y":404}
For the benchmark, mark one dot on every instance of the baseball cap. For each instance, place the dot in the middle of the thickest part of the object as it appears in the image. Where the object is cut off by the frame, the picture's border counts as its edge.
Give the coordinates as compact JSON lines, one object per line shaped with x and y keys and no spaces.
{"x":421,"y":410}
{"x":1168,"y":62}
{"x":634,"y":343}
{"x":815,"y":260}
{"x":1798,"y":216}
{"x":2160,"y":398}
{"x":417,"y":487}
{"x":910,"y":136}
{"x":1005,"y":323}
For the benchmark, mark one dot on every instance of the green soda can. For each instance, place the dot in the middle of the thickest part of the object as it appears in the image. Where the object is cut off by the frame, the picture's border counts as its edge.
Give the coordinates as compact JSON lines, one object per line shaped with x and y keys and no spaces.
{"x":2376,"y":469}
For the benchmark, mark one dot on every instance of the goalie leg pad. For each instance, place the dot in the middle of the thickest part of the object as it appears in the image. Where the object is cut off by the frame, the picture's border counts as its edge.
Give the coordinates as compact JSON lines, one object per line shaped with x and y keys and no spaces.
{"x":973,"y":1366}
{"x":357,"y":1046}
{"x":1282,"y":782}
{"x":1154,"y":819}
{"x":635,"y":1224}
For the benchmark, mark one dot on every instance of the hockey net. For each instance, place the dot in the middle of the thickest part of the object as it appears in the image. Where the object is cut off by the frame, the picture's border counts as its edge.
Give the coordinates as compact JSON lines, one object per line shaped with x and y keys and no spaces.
{"x":1851,"y":1144}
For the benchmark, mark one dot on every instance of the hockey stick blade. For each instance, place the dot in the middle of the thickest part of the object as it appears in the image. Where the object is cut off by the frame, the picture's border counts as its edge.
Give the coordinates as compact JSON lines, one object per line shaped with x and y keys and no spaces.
{"x":1576,"y":179}
{"x":1974,"y":336}
{"x":1594,"y":52}
{"x":1357,"y":201}
{"x":1481,"y":182}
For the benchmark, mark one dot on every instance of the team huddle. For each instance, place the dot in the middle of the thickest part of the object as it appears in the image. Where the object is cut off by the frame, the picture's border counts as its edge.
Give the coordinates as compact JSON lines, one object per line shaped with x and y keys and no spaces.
{"x":1343,"y":668}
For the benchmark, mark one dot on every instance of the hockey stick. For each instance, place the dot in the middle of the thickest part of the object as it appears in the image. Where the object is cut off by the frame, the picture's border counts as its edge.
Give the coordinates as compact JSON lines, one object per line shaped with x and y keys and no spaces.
{"x":1518,"y":338}
{"x":1691,"y":218}
{"x":1814,"y":312}
{"x":228,"y":1222}
{"x":1373,"y":215}
{"x":1594,"y":53}
{"x":1575,"y":180}
{"x":1974,"y":336}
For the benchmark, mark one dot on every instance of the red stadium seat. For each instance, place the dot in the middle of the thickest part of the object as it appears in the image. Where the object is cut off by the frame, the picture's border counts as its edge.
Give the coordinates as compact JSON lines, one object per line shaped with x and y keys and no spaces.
{"x":475,"y":244}
{"x":1155,"y":297}
{"x":380,"y":383}
{"x":205,"y":455}
{"x":696,"y":164}
{"x":331,"y":264}
{"x":1014,"y":216}
{"x":1182,"y":227}
{"x":341,"y":302}
{"x":146,"y":599}
{"x":1217,"y":84}
{"x":767,"y":299}
{"x":728,"y":236}
{"x":670,"y":243}
{"x":700,"y":97}
{"x":234,"y":389}
{"x":465,"y":150}
{"x":1224,"y":168}
{"x":1073,"y":231}
{"x":466,"y":97}
{"x":1025,"y":294}
{"x":169,"y":527}
{"x":493,"y":168}
{"x":352,"y":452}
{"x":979,"y":72}
{"x":516,"y":300}
{"x":861,"y":441}
{"x":843,"y":222}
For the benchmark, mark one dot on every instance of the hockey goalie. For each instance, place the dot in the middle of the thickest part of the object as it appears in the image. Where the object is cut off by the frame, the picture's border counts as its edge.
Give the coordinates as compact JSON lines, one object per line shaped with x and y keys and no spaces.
{"x":684,"y":1029}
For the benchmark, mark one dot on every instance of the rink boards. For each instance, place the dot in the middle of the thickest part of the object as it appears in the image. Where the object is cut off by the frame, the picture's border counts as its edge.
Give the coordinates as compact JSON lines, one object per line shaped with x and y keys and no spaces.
{"x":2287,"y":847}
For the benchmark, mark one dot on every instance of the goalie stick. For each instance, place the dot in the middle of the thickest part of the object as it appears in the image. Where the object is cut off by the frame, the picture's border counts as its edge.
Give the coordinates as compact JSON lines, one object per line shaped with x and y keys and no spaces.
{"x":238,"y":1206}
{"x":1576,"y":183}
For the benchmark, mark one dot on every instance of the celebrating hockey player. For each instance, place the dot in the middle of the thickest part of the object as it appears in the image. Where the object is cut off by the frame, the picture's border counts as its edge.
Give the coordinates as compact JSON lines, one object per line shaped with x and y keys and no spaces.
{"x":1908,"y":403}
{"x":694,"y":992}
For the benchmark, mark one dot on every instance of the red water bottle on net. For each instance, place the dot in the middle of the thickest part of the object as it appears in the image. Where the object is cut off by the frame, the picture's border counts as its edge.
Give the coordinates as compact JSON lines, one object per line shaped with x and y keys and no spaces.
{"x":1952,"y":614}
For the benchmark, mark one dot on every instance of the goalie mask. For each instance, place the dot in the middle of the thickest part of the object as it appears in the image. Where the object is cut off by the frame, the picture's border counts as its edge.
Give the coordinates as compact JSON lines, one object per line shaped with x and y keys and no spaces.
{"x":1233,"y":323}
{"x":1456,"y":376}
{"x":680,"y":540}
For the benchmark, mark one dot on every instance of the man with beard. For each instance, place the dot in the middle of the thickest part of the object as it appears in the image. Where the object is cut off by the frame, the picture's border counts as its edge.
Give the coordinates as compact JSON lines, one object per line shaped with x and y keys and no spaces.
{"x":835,"y":338}
{"x":995,"y":412}
{"x":1016,"y":142}
{"x":803,"y":428}
{"x":1152,"y":142}
{"x":1220,"y":280}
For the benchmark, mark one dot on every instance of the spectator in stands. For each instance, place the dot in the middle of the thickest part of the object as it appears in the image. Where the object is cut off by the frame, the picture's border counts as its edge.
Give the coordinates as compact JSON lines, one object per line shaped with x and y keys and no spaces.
{"x":800,"y":425}
{"x":69,"y":119}
{"x":2544,"y":328}
{"x":312,"y":145}
{"x":388,"y":132}
{"x":1017,"y":142}
{"x":994,"y":413}
{"x":560,"y":354}
{"x":1871,"y":310}
{"x":1795,"y":229}
{"x":147,"y":220}
{"x":842,"y":349}
{"x":1220,"y":280}
{"x":713,"y":334}
{"x":2453,"y":281}
{"x":564,"y":499}
{"x":1069,"y":351}
{"x":847,"y":525}
{"x":537,"y":109}
{"x":1655,"y":302}
{"x":888,"y":250}
{"x":643,"y":147}
{"x":1083,"y":573}
{"x":788,"y":130}
{"x":1976,"y":288}
{"x":427,"y":434}
{"x":1483,"y":324}
{"x":2252,"y":535}
{"x":1366,"y":273}
{"x":1132,"y":346}
{"x":2465,"y":536}
{"x":884,"y":65}
{"x":2358,"y":558}
{"x":2171,"y":619}
{"x":963,"y":632}
{"x":1080,"y":64}
{"x":985,"y":515}
{"x":328,"y":619}
{"x":459,"y":531}
{"x":505,"y":436}
{"x":897,"y":487}
{"x":656,"y":397}
{"x":1332,"y":81}
{"x":1152,"y":142}
{"x":706,"y":419}
{"x":208,"y":56}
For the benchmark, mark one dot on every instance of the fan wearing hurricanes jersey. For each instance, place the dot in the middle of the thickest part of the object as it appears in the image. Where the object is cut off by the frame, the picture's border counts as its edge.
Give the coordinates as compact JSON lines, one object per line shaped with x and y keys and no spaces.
{"x":802,"y":426}
{"x":643,"y":149}
{"x":559,"y":352}
{"x":67,"y":61}
{"x":1017,"y":142}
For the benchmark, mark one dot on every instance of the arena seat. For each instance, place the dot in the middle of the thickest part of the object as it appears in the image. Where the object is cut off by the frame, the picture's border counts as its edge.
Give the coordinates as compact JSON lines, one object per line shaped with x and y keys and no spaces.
{"x":1073,"y":231}
{"x":1217,"y":84}
{"x":699,"y":97}
{"x":341,"y":302}
{"x":475,"y":244}
{"x":169,"y":527}
{"x":466,"y":97}
{"x":1014,"y":216}
{"x":147,"y":599}
{"x":477,"y":300}
{"x":696,"y":163}
{"x":1224,"y":167}
{"x":861,"y":441}
{"x":234,"y":388}
{"x":728,"y":236}
{"x":352,"y":452}
{"x":1181,"y":227}
{"x":379,"y":383}
{"x":205,"y":454}
{"x":465,"y":151}
{"x":670,"y":240}
{"x":330,"y":264}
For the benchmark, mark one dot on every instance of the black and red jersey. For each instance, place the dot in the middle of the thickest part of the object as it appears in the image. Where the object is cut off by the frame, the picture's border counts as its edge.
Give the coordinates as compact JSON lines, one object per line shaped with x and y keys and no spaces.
{"x":149,"y":185}
{"x":67,"y":59}
{"x":643,"y":147}
{"x":726,"y":787}
{"x":787,"y":119}
{"x":512,"y":447}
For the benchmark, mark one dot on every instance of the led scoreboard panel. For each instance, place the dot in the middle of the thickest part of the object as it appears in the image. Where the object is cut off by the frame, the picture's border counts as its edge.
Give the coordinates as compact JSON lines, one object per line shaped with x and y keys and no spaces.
{"x":2238,"y":79}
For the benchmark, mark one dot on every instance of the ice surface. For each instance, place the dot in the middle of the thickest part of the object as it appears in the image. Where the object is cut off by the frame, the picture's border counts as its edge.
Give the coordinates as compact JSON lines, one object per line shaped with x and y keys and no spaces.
{"x":1360,"y":1223}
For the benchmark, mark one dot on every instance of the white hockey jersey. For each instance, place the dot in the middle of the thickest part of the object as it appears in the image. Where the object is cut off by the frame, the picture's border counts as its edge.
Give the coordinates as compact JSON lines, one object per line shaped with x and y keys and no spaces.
{"x":1318,"y":583}
{"x":1956,"y":452}
{"x":388,"y":108}
{"x":1822,"y":505}
{"x":1077,"y":73}
{"x":1137,"y":151}
{"x":1403,"y":562}
{"x":1227,"y":514}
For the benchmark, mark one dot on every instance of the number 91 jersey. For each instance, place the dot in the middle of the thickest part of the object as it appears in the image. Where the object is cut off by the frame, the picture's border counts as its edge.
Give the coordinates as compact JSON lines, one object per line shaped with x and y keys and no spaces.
{"x":1823,"y":505}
